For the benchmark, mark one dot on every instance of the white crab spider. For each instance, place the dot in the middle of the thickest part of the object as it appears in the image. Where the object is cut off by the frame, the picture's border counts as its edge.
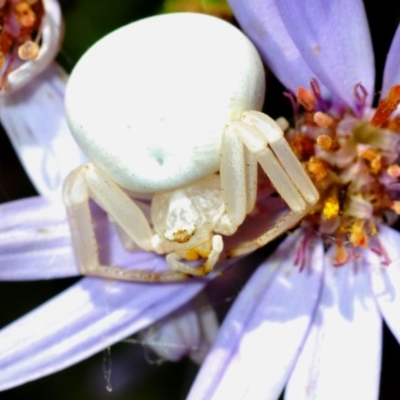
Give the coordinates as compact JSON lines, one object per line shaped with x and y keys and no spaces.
{"x":161,"y":107}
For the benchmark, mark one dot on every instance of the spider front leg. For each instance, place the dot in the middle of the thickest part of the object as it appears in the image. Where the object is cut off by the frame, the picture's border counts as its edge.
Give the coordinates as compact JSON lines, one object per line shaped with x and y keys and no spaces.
{"x":89,"y":182}
{"x":264,"y":139}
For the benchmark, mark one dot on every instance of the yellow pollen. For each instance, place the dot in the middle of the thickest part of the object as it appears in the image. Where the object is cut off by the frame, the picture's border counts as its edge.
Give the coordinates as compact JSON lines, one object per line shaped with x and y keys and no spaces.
{"x":318,"y":168}
{"x":323,"y":120}
{"x":325,"y":142}
{"x":358,"y":234}
{"x":393,"y":171}
{"x":2,"y":59}
{"x":28,"y":51}
{"x":331,"y":207}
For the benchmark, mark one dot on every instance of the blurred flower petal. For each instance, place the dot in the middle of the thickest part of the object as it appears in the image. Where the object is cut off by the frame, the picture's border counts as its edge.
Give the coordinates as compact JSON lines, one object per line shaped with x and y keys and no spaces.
{"x":391,"y":75}
{"x":189,"y":331}
{"x":208,"y":324}
{"x":386,"y":279}
{"x":85,"y":319}
{"x":261,"y":21}
{"x":263,"y":332}
{"x":51,"y":40}
{"x":333,"y":38}
{"x":175,"y":336}
{"x":34,"y":120}
{"x":342,"y":354}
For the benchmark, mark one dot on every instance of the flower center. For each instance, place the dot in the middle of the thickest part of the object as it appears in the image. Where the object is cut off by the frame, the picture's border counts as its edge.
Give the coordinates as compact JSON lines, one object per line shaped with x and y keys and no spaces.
{"x":20,"y":33}
{"x":352,"y":158}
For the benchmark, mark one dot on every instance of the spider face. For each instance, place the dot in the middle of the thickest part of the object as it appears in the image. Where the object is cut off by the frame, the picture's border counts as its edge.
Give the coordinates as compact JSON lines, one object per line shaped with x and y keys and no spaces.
{"x":168,"y":106}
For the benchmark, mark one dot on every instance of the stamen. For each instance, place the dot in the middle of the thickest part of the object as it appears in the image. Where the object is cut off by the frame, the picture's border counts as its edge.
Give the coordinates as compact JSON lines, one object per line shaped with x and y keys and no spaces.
{"x":306,"y":98}
{"x":303,"y":147}
{"x":358,"y":235}
{"x":25,"y":16}
{"x":331,"y":207}
{"x":341,"y":255}
{"x":28,"y":51}
{"x":393,"y":171}
{"x":394,"y":124}
{"x":396,"y":207}
{"x":325,"y":142}
{"x":318,"y":168}
{"x":323,"y":120}
{"x":354,"y":165}
{"x":386,"y":107}
{"x":361,"y":94}
{"x":293,"y":101}
{"x":321,"y":103}
{"x":374,"y":158}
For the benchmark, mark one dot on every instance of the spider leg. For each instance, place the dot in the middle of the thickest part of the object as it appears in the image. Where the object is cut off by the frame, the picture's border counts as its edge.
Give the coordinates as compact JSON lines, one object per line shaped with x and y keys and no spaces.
{"x":238,"y":176}
{"x":264,"y":138}
{"x":89,"y":182}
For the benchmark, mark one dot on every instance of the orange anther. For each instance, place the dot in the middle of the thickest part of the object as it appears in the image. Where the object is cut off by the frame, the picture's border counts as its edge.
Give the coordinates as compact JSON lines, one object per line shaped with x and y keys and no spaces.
{"x":393,"y":171}
{"x":323,"y":120}
{"x":386,"y":107}
{"x":341,"y":255}
{"x":306,"y":98}
{"x":25,"y":15}
{"x":358,"y":235}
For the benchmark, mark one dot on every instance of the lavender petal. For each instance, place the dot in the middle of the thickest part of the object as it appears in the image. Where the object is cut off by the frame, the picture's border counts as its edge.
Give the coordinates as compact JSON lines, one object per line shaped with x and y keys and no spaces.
{"x":334,"y":39}
{"x":85,"y":319}
{"x":261,"y":21}
{"x":264,"y":330}
{"x":391,"y":74}
{"x":342,"y":354}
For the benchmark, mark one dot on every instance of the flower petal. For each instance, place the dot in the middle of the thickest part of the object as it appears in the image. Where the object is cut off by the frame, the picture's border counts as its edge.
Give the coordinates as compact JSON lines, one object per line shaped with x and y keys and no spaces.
{"x":34,"y":120}
{"x":85,"y":319}
{"x":386,"y":279}
{"x":391,"y":75}
{"x":51,"y":40}
{"x":259,"y":339}
{"x":342,"y":354}
{"x":334,"y":40}
{"x":35,"y":241}
{"x":261,"y":21}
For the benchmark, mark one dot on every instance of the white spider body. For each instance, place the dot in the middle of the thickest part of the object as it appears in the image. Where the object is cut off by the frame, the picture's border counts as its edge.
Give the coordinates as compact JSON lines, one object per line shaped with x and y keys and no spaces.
{"x":161,"y":107}
{"x":153,"y":103}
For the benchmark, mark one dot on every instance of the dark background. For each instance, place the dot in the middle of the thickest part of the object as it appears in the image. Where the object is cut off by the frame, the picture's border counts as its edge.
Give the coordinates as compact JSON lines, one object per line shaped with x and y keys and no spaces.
{"x":134,"y":374}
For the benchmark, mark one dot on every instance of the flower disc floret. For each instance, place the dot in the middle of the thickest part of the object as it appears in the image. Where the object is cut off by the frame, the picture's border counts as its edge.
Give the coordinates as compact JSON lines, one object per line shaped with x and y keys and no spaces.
{"x":353,"y":159}
{"x":30,"y":33}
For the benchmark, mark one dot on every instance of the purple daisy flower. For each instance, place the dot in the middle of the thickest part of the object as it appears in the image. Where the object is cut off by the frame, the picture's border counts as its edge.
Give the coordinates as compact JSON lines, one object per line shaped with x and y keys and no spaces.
{"x":285,"y":323}
{"x":316,"y":330}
